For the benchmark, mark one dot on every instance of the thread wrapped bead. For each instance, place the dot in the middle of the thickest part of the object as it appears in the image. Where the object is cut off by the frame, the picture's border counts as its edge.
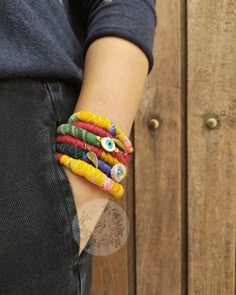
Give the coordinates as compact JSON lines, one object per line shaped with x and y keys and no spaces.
{"x":92,"y":174}
{"x":104,"y":123}
{"x":110,"y":158}
{"x":95,"y":148}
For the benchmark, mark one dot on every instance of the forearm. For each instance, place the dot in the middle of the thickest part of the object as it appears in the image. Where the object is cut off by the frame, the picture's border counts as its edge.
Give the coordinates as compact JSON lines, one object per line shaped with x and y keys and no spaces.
{"x":114,"y":77}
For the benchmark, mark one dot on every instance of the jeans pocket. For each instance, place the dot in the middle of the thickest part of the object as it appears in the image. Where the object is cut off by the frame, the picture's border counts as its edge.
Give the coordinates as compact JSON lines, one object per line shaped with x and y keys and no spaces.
{"x":85,"y":268}
{"x":56,"y":100}
{"x":63,"y":98}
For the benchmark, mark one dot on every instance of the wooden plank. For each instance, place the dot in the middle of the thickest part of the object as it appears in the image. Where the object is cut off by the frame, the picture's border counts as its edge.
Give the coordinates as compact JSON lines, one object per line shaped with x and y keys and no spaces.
{"x":159,"y":182}
{"x":131,"y":242}
{"x":211,"y":153}
{"x":110,"y":272}
{"x":115,"y":274}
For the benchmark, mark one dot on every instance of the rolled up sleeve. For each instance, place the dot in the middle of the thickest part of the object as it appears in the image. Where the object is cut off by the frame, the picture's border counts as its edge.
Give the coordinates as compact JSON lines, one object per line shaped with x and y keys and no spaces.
{"x":134,"y":20}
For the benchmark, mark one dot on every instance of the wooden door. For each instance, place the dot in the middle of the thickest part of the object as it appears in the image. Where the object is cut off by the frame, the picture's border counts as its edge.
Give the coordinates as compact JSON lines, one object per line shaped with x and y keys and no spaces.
{"x":181,"y":189}
{"x":211,"y":146}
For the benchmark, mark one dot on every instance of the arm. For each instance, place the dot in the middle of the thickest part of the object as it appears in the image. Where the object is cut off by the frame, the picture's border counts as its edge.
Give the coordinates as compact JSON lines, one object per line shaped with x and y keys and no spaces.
{"x":115,"y":72}
{"x":114,"y":77}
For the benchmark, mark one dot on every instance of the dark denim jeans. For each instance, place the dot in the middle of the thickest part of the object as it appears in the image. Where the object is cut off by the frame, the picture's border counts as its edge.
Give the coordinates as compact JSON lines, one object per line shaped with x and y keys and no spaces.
{"x":38,"y":245}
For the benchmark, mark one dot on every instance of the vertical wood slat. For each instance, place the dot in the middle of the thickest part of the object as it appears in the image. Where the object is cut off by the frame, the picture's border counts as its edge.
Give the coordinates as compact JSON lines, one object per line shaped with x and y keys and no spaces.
{"x":158,"y":177}
{"x":211,"y":153}
{"x":115,"y":274}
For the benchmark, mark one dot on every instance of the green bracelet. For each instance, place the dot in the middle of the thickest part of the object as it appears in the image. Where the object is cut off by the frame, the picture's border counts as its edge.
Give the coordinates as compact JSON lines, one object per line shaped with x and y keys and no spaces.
{"x":106,"y":143}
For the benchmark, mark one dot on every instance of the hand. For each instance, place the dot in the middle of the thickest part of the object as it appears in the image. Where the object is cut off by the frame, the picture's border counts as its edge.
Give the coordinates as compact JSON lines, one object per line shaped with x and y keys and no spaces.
{"x":83,"y":192}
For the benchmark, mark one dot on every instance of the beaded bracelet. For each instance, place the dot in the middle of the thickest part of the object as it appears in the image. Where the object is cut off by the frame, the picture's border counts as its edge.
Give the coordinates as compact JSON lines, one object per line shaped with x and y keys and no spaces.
{"x":90,"y":138}
{"x":92,"y":128}
{"x":110,"y":158}
{"x":108,"y":144}
{"x":117,"y":172}
{"x":104,"y":123}
{"x":92,"y":174}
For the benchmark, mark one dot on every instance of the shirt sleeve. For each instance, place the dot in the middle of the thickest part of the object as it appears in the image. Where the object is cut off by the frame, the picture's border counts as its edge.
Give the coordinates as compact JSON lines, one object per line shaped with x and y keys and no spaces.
{"x":134,"y":20}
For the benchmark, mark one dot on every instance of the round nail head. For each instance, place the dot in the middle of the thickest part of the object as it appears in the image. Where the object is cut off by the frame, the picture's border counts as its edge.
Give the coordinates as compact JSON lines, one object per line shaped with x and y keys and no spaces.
{"x":153,"y":124}
{"x":212,"y":123}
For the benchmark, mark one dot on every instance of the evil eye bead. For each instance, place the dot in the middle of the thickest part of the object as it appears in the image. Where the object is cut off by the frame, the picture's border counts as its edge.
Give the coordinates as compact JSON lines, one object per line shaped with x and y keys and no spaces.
{"x":108,"y":144}
{"x":118,"y":172}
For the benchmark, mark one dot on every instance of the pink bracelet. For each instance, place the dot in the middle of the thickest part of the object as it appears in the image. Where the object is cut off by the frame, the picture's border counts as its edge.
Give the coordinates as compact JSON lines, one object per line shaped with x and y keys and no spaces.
{"x":92,"y":128}
{"x":110,"y":158}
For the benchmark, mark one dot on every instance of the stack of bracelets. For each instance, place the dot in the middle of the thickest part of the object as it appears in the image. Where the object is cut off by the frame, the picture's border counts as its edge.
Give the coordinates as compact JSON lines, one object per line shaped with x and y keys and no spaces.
{"x":95,"y":148}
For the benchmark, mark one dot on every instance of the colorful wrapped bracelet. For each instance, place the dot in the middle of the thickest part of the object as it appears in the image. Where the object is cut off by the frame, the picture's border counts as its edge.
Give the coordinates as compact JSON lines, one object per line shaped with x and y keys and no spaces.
{"x":95,"y":148}
{"x":109,"y":158}
{"x":116,"y":172}
{"x":92,"y":174}
{"x":92,"y":128}
{"x":106,"y":143}
{"x":104,"y":123}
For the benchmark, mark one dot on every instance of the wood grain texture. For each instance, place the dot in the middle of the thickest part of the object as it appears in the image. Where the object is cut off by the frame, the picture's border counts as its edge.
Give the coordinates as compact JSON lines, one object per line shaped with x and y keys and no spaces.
{"x":115,"y":274}
{"x":160,"y":233}
{"x":111,"y":273}
{"x":211,"y":153}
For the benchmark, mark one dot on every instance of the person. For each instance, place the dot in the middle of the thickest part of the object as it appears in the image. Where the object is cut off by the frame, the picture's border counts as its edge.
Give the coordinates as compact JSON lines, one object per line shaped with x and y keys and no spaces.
{"x":58,"y":57}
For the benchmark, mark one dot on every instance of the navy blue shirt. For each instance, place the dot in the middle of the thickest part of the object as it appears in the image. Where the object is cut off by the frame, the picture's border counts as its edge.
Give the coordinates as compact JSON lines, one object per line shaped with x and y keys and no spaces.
{"x":49,"y":38}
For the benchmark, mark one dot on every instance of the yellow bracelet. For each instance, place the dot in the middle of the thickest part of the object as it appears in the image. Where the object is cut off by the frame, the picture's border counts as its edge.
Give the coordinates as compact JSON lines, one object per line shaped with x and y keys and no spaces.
{"x":104,"y":123}
{"x":92,"y":174}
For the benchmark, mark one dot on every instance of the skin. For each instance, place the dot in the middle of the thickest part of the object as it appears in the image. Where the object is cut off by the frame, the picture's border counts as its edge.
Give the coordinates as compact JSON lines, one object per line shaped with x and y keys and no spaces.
{"x":114,"y":76}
